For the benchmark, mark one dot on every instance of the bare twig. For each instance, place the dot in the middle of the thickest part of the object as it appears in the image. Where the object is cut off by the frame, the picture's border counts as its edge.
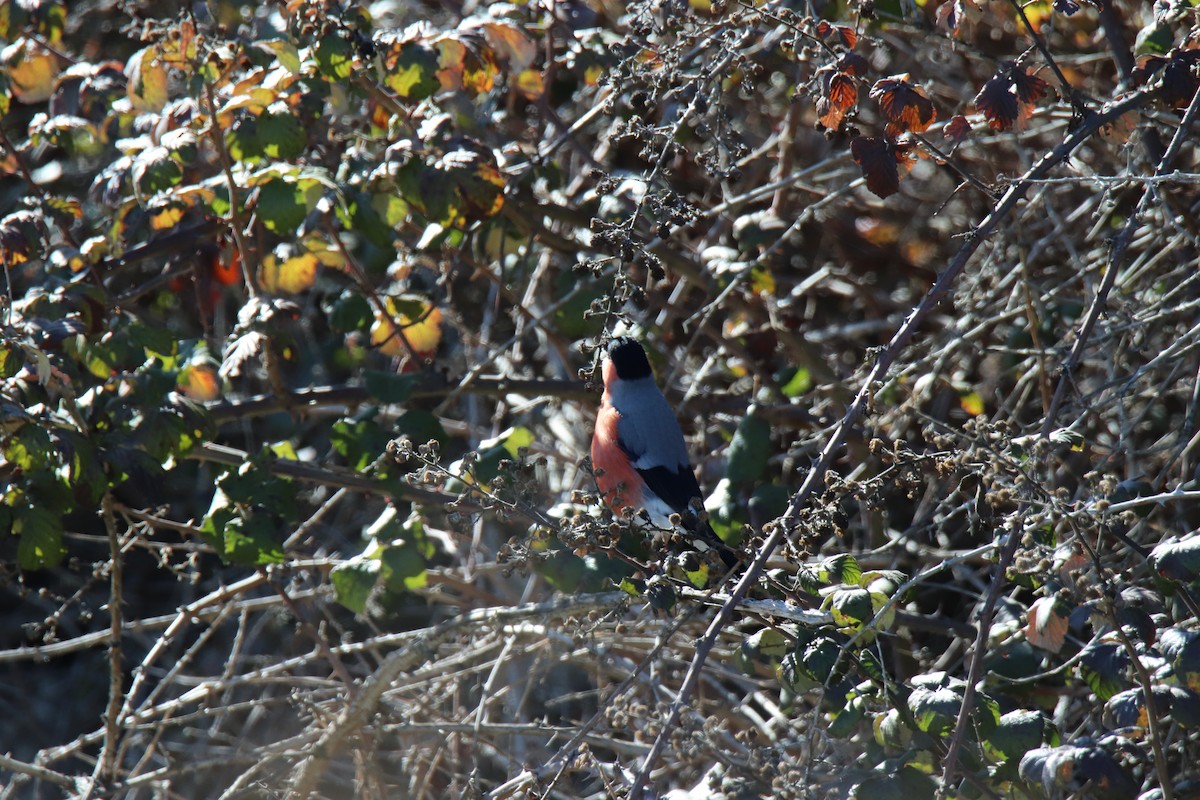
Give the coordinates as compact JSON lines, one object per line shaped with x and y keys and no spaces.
{"x":884,"y":360}
{"x":1116,"y":256}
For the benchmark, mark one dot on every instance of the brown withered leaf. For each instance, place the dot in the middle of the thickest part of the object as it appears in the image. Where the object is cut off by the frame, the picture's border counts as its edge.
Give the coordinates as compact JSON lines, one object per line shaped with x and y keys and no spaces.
{"x":838,"y":34}
{"x":882,"y":161}
{"x":905,"y":106}
{"x":957,"y":128}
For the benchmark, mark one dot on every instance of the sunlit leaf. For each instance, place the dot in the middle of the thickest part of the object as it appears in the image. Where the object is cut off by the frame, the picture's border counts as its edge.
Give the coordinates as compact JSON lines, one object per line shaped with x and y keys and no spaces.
{"x":511,"y":44}
{"x":904,"y":105}
{"x":283,"y":50}
{"x":281,"y":135}
{"x":1048,"y":622}
{"x":288,"y":269}
{"x":23,"y":237}
{"x":334,"y":55}
{"x":200,"y":382}
{"x":148,"y":80}
{"x":410,"y":69}
{"x":31,"y":69}
{"x":422,"y":331}
{"x":465,"y":63}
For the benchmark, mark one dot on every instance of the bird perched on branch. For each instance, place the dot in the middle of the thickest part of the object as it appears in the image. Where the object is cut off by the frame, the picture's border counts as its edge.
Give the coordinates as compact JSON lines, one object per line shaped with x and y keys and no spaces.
{"x":638,"y":452}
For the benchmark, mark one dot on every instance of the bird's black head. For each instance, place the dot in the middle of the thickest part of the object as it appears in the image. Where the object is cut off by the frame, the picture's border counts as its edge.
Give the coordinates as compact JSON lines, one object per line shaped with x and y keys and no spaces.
{"x":629,"y":358}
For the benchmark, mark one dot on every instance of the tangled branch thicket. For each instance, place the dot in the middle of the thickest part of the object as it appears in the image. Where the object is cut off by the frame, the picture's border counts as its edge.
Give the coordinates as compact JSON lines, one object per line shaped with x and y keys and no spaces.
{"x":300,"y":318}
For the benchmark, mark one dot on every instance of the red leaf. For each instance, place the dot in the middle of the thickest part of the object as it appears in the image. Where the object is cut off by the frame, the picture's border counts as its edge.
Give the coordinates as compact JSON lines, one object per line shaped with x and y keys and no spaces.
{"x":997,"y":103}
{"x":882,"y":161}
{"x":1029,"y":87}
{"x":841,"y":93}
{"x":852,"y":64}
{"x":905,"y":106}
{"x":838,"y":33}
{"x":1007,"y":99}
{"x":957,"y":128}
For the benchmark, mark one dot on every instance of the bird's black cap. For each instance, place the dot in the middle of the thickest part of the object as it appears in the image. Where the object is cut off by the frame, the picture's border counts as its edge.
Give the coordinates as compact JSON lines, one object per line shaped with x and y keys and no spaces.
{"x":629,"y":358}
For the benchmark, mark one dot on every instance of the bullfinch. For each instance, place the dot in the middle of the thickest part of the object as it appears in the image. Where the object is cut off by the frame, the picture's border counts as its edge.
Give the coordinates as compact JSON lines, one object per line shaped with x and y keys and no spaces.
{"x":638,"y":451}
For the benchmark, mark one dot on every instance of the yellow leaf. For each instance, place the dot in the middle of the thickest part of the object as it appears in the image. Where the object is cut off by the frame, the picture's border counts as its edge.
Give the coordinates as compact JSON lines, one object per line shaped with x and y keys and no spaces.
{"x":179,"y":49}
{"x":423,"y":334}
{"x":166,"y":216}
{"x":148,"y":80}
{"x":762,"y":281}
{"x":31,"y":70}
{"x":288,"y":271}
{"x":971,"y":403}
{"x":254,"y":99}
{"x":531,"y":83}
{"x":472,"y":69}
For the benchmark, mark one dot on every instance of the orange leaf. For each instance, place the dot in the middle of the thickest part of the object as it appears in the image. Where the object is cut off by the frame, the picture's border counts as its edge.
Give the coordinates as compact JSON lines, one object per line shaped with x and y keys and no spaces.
{"x":905,"y":106}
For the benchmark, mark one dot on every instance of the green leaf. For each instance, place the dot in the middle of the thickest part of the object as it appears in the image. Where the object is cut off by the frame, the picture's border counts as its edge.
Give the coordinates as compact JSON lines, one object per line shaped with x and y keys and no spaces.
{"x":799,"y":383}
{"x":155,"y":170}
{"x":281,"y":135}
{"x":285,"y":52}
{"x":242,"y":140}
{"x":421,"y":426}
{"x":389,"y":387}
{"x":403,"y":566}
{"x":353,"y":581}
{"x":334,"y":56}
{"x":11,"y":360}
{"x":749,"y":450}
{"x":40,"y":530}
{"x":1154,"y":39}
{"x":632,"y":587}
{"x":360,"y":441}
{"x":846,"y":722}
{"x":350,"y":312}
{"x":767,"y":647}
{"x":1177,"y":561}
{"x":29,"y":448}
{"x":1103,"y":666}
{"x":1017,"y":733}
{"x":411,"y":71}
{"x":840,"y":568}
{"x":907,"y":783}
{"x":281,"y":206}
{"x":935,"y":710}
{"x":367,"y":214}
{"x":250,"y":541}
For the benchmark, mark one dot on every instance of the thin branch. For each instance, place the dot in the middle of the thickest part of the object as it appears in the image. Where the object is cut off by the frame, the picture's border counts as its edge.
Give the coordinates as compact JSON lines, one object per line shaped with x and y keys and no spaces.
{"x":112,"y":722}
{"x":787,"y":524}
{"x":363,"y":707}
{"x":39,"y":773}
{"x":1116,"y":256}
{"x":1069,"y":92}
{"x":324,"y":476}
